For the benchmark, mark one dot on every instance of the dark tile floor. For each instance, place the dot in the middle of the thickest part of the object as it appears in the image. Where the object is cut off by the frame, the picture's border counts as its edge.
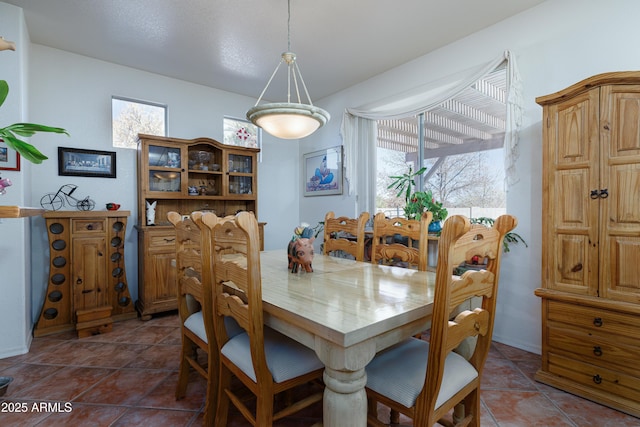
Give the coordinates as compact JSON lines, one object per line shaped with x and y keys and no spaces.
{"x":127,"y":378}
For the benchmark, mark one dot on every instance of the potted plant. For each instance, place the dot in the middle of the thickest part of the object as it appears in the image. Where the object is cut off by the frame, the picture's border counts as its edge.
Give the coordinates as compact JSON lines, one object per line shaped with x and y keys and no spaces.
{"x":423,"y":201}
{"x":420,"y":201}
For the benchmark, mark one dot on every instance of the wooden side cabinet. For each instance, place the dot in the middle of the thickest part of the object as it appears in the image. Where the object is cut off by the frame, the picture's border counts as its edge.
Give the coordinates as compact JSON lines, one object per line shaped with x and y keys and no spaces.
{"x":87,"y":288}
{"x":184,"y":175}
{"x":157,"y":286}
{"x":591,"y":240}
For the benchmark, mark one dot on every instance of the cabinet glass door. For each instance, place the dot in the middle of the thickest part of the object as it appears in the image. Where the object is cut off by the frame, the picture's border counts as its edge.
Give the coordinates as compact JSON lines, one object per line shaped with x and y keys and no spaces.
{"x":164,"y":168}
{"x":240,"y":185}
{"x":164,"y":157}
{"x":240,"y":164}
{"x":164,"y":181}
{"x":240,"y":174}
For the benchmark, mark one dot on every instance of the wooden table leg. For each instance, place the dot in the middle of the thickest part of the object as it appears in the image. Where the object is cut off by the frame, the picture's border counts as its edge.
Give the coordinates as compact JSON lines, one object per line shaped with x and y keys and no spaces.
{"x":345,"y":399}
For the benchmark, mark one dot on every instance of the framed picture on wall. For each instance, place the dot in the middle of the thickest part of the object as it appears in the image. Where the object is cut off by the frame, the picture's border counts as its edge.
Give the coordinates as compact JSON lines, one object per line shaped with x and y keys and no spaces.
{"x":91,"y":163}
{"x":9,"y":159}
{"x":323,"y":172}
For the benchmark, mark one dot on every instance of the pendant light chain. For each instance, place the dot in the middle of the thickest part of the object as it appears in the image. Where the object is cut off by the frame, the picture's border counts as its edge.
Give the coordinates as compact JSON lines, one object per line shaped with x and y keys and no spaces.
{"x":289,"y":26}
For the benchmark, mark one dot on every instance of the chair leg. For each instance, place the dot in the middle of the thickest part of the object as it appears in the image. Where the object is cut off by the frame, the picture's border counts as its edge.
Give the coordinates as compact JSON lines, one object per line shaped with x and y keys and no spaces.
{"x":211,"y":399}
{"x":183,"y":370}
{"x":372,"y":407}
{"x":264,"y":411}
{"x":222,"y":407}
{"x":394,"y":417}
{"x":472,"y":408}
{"x":458,"y":413}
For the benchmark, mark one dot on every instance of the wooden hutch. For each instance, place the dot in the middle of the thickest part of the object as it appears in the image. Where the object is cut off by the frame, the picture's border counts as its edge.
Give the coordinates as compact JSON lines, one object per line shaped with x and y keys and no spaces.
{"x":591,"y":240}
{"x":183,"y":175}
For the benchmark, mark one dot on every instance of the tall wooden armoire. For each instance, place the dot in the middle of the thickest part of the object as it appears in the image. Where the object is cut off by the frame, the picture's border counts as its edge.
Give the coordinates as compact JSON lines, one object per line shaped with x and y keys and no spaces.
{"x":591,"y":240}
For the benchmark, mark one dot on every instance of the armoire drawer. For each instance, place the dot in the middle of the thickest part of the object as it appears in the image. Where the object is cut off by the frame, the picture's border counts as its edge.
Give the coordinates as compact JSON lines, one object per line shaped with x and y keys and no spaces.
{"x":626,"y":327}
{"x":601,"y":350}
{"x":595,"y":377}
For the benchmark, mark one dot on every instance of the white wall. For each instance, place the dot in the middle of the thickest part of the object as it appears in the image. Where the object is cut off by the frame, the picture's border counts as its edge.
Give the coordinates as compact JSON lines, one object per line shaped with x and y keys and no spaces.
{"x":558,"y":43}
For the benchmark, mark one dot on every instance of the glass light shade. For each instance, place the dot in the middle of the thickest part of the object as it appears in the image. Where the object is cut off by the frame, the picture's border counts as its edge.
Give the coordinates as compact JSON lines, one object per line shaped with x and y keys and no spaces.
{"x":288,"y":120}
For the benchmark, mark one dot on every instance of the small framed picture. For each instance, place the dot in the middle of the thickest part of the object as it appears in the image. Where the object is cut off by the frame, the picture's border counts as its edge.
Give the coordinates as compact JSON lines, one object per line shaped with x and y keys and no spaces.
{"x":9,"y":159}
{"x":90,"y":163}
{"x":323,"y":172}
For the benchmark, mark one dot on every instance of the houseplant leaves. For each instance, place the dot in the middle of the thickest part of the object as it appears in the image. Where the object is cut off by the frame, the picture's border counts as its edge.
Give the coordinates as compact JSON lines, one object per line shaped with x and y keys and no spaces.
{"x":10,"y":134}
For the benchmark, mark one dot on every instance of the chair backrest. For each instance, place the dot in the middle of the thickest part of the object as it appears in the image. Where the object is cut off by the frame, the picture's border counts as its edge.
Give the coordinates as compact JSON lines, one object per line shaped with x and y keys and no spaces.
{"x":237,"y":285}
{"x":345,"y":234}
{"x":459,"y":242}
{"x":194,"y":291}
{"x":411,"y":249}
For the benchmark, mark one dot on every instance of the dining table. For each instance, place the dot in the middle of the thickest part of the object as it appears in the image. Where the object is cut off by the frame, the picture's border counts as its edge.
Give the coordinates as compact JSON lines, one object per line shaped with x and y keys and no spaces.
{"x":346,"y":311}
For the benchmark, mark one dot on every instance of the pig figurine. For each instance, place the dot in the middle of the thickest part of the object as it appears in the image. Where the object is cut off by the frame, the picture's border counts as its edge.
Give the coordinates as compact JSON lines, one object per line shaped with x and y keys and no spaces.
{"x":300,"y":253}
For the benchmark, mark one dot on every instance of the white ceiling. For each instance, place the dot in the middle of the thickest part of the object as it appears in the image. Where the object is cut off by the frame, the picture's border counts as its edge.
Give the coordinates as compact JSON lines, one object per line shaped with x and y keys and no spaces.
{"x":235,"y":45}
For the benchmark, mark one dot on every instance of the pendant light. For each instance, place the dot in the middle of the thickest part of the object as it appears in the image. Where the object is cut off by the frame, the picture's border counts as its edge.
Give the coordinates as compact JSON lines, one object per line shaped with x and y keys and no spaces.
{"x":288,"y":120}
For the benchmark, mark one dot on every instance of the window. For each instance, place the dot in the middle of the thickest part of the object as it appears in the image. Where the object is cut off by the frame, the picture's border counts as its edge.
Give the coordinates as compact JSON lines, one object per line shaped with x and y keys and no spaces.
{"x":130,"y":117}
{"x":242,"y":133}
{"x":461,"y":145}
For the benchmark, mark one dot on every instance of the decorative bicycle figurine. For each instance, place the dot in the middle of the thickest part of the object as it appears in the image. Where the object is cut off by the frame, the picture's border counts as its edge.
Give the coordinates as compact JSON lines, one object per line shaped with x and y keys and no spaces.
{"x":55,"y":201}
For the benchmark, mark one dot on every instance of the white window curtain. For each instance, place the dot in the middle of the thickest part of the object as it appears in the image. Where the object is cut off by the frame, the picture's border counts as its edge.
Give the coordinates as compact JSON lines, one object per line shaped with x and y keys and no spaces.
{"x":359,"y":124}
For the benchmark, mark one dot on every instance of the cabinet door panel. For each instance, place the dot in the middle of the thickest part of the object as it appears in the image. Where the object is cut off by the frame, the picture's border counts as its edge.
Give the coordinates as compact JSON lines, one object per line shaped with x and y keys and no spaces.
{"x":620,"y":211}
{"x":163,"y":278}
{"x":571,"y":215}
{"x":620,"y":114}
{"x":90,"y":272}
{"x":622,"y":282}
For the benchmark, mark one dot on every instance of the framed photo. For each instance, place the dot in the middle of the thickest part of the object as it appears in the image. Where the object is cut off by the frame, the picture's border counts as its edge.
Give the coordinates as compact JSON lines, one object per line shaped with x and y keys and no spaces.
{"x":91,"y":163}
{"x":9,"y":159}
{"x":323,"y":172}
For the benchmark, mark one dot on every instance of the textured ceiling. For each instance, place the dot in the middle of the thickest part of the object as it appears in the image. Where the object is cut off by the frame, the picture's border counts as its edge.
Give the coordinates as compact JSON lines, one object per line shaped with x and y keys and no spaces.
{"x":235,"y":45}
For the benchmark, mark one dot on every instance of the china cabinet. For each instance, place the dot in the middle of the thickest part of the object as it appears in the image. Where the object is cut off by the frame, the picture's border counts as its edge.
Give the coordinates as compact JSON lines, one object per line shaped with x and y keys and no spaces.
{"x":183,"y":176}
{"x":87,"y":285}
{"x":591,"y":240}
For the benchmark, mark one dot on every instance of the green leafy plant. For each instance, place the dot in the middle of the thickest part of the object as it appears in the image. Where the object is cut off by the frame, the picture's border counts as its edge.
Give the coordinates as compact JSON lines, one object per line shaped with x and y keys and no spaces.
{"x":10,"y":134}
{"x":405,"y":183}
{"x":509,"y":238}
{"x":422,"y":201}
{"x":419,"y":201}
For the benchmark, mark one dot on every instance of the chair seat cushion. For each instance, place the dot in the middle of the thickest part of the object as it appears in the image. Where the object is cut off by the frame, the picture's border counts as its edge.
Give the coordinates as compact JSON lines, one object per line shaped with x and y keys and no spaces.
{"x":196,"y":325}
{"x":399,"y":372}
{"x":286,"y":358}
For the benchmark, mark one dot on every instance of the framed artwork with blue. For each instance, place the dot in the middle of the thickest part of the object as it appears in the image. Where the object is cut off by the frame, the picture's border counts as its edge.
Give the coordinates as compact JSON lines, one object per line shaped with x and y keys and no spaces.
{"x":323,"y":172}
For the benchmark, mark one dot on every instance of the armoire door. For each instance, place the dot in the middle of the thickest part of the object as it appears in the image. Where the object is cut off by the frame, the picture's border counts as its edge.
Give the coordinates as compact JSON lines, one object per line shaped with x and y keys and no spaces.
{"x":620,"y":193}
{"x":570,"y":260}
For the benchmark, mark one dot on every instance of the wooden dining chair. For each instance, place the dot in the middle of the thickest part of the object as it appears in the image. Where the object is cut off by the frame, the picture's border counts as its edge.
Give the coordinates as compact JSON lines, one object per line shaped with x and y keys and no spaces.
{"x":265,"y":361}
{"x":195,"y":309}
{"x":400,"y":241}
{"x":426,"y":380}
{"x":345,"y":234}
